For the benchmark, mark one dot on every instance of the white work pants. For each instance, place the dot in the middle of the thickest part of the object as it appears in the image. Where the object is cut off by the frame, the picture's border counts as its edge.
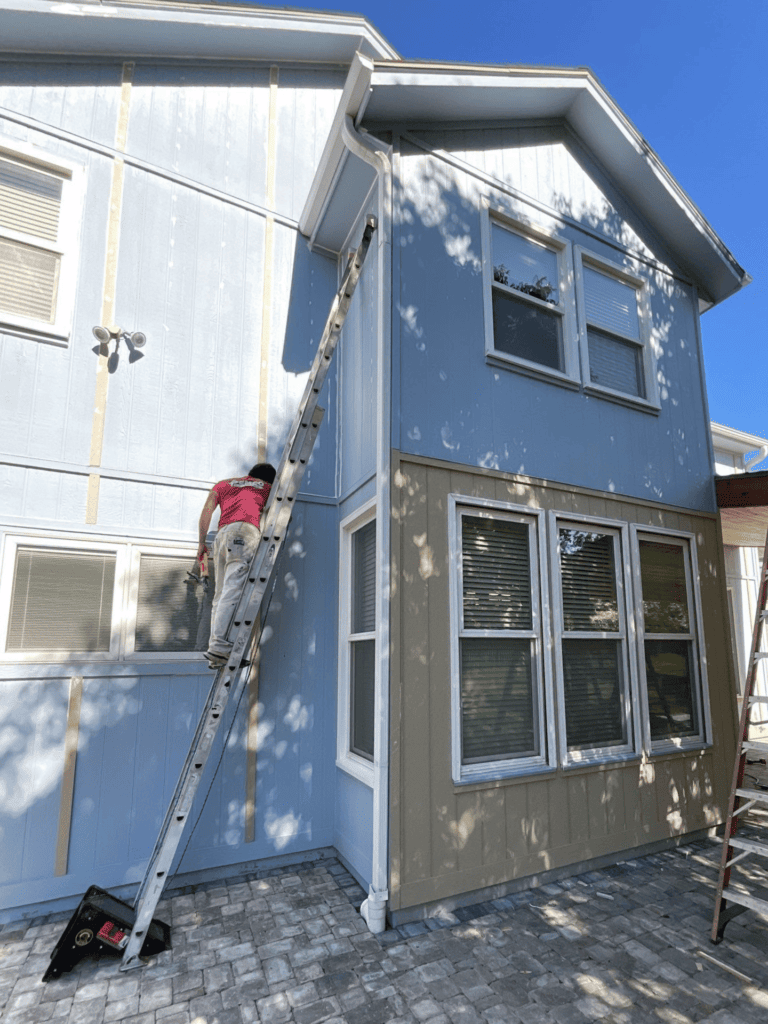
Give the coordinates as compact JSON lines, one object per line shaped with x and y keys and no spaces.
{"x":233,"y":550}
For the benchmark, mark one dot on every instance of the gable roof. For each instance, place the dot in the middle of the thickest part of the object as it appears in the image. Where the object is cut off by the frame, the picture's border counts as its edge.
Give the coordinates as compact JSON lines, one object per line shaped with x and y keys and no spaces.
{"x":382,"y":94}
{"x":186,"y":28}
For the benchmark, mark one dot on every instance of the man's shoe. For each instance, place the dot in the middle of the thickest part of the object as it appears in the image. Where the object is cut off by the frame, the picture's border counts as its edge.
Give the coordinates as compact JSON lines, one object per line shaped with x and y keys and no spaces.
{"x":215,"y":659}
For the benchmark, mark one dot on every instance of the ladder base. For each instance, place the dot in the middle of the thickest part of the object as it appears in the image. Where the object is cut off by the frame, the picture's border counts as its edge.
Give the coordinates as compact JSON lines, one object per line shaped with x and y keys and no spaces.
{"x":100,"y":922}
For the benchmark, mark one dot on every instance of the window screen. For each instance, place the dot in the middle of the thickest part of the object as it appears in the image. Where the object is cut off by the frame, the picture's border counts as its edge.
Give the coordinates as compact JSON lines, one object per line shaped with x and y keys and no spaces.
{"x":524,"y":269}
{"x":30,"y":204}
{"x":362,"y":643}
{"x":593,"y":666}
{"x":61,"y":600}
{"x":670,"y":666}
{"x":169,"y":611}
{"x":499,"y":671}
{"x":613,"y":319}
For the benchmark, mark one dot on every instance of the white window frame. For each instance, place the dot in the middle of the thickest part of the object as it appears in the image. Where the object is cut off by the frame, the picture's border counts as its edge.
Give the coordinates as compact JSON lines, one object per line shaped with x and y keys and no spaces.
{"x":459,"y":505}
{"x":569,"y":376}
{"x":687,"y":542}
{"x":66,"y":244}
{"x":585,"y":258}
{"x":626,"y":634}
{"x":124,"y":597}
{"x":355,"y":765}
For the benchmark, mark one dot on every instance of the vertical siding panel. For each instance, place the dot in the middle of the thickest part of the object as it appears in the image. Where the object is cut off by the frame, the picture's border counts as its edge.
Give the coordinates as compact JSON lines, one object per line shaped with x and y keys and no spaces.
{"x":538,"y":817}
{"x":417,"y":797}
{"x":516,"y":814}
{"x":558,"y":802}
{"x":614,"y":802}
{"x":18,"y":362}
{"x":494,"y":826}
{"x":468,"y":830}
{"x":40,"y":494}
{"x":632,"y":787}
{"x":578,"y":808}
{"x":433,"y":553}
{"x":596,"y":806}
{"x":12,"y":490}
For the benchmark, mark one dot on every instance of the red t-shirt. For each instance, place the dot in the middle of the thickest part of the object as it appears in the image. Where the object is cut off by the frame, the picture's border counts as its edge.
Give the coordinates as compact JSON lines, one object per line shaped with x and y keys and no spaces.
{"x":242,"y":500}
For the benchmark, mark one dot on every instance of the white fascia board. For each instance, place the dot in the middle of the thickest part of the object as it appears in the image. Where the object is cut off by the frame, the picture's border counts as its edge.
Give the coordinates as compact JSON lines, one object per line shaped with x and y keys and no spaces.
{"x":140,"y":28}
{"x":335,"y":154}
{"x":653,"y":191}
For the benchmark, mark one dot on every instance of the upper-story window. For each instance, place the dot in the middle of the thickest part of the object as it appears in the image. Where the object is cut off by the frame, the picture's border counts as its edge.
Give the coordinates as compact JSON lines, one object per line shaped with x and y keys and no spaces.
{"x":614,"y":322}
{"x":555,"y":311}
{"x":531,"y":322}
{"x":39,"y":208}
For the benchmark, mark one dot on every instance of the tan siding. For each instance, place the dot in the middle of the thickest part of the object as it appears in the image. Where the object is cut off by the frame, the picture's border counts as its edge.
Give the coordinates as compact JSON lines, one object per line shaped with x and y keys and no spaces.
{"x":449,"y":839}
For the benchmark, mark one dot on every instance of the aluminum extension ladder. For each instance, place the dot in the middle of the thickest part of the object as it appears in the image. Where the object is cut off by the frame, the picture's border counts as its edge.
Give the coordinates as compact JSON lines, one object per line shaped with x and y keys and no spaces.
{"x":743,"y":799}
{"x":230,"y":679}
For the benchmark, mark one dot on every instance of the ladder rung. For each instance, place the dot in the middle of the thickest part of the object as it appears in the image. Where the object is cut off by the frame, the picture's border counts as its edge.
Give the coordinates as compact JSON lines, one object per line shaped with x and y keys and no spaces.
{"x":761,"y":849}
{"x":761,"y":655}
{"x":759,"y":796}
{"x":752,"y":902}
{"x":754,"y":745}
{"x":758,"y":699}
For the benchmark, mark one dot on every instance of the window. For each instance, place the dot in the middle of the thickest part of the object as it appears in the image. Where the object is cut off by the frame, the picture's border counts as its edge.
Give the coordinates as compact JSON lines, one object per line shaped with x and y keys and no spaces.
{"x":499,"y":691}
{"x":669,"y":653}
{"x":98,"y":600}
{"x":529,"y":322}
{"x":357,"y":640}
{"x":614,"y":329}
{"x":61,"y":599}
{"x":39,"y":207}
{"x":628,"y":669}
{"x":591,"y":652}
{"x":589,"y":330}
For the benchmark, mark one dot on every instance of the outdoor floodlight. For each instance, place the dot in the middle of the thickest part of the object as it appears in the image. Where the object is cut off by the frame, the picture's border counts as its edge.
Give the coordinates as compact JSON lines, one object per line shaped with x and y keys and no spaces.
{"x":138,"y":339}
{"x":101,"y":334}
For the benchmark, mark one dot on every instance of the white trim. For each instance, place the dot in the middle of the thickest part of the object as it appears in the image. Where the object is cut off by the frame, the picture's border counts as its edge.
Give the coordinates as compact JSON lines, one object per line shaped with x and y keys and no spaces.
{"x":584,"y":257}
{"x":687,"y":542}
{"x":66,"y":245}
{"x":124,"y":596}
{"x":619,"y":530}
{"x":353,"y":764}
{"x":458,"y":505}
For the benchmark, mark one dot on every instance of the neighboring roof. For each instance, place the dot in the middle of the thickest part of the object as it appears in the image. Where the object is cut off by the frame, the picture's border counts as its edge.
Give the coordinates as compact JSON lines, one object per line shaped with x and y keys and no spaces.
{"x":178,"y":28}
{"x":383,"y":93}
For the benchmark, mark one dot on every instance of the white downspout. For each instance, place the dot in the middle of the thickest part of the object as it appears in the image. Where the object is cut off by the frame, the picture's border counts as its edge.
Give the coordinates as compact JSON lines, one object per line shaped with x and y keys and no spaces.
{"x":375,"y":153}
{"x":756,"y":458}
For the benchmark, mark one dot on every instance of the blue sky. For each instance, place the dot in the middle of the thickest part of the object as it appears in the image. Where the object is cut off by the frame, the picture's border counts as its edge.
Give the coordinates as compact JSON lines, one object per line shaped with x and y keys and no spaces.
{"x":691,"y":75}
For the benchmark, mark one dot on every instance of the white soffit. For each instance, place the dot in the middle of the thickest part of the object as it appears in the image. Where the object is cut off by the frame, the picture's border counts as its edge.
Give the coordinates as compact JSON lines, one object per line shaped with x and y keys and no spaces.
{"x":209,"y":31}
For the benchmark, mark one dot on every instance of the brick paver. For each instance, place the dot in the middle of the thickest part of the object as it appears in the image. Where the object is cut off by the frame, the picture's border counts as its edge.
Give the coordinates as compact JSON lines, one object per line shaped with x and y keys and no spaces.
{"x":618,"y":946}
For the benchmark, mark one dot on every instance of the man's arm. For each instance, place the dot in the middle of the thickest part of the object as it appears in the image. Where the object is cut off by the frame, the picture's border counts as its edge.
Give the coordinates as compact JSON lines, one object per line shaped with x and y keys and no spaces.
{"x":205,"y":520}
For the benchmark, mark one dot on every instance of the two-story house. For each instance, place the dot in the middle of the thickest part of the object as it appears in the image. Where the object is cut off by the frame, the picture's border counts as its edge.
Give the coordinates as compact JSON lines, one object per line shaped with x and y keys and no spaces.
{"x":497,"y":649}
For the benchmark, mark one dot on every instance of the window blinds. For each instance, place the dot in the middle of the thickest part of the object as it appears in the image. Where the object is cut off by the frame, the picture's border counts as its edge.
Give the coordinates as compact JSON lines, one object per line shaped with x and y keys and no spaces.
{"x":29,"y":279}
{"x":496,"y":574}
{"x":30,"y":200}
{"x":615,"y":364}
{"x":665,"y":602}
{"x":61,"y":600}
{"x":364,"y":579}
{"x":611,"y":304}
{"x":168,"y":610}
{"x":498,"y":712}
{"x":588,"y":575}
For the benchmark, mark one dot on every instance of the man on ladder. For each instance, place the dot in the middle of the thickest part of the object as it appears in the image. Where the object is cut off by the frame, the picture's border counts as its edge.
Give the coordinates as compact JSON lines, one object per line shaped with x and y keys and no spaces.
{"x":242,"y":501}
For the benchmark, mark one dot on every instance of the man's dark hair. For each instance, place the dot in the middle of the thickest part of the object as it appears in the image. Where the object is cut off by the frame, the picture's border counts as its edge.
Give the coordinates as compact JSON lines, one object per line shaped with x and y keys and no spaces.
{"x":263,"y":471}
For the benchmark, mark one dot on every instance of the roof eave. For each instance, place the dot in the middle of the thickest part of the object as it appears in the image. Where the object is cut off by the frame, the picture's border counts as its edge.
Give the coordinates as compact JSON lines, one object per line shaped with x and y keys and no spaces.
{"x":185,"y":29}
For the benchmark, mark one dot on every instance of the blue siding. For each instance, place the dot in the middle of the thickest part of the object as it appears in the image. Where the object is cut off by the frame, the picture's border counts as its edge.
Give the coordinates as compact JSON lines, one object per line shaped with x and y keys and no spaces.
{"x":453,"y":405}
{"x":354,"y":825}
{"x":191,"y":276}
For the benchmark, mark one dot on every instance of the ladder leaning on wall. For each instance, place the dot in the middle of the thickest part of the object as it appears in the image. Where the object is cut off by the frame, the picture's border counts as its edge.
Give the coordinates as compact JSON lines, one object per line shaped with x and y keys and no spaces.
{"x":101,"y":918}
{"x":744,"y":798}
